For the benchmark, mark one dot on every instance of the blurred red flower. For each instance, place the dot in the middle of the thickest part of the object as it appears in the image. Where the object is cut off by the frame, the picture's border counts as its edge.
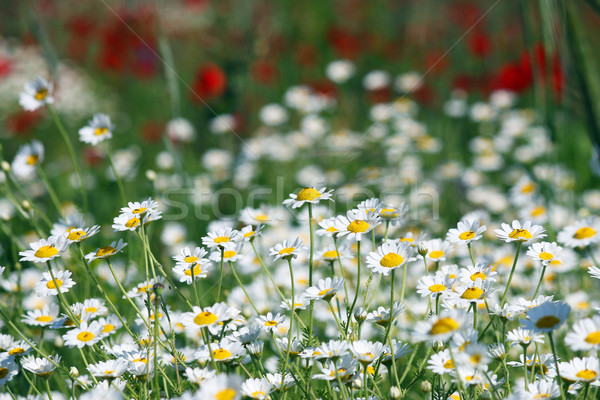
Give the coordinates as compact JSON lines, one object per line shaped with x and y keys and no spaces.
{"x":210,"y":82}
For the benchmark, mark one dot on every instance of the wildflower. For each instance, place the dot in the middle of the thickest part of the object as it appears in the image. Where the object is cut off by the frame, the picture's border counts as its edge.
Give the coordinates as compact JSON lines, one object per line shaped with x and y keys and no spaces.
{"x":43,"y":317}
{"x":441,"y":327}
{"x":225,"y":350}
{"x":49,"y":287}
{"x":393,"y":214}
{"x":525,"y":233}
{"x":76,"y":235}
{"x":438,"y":249}
{"x":545,"y":252}
{"x":256,"y":388}
{"x":390,"y":256}
{"x":584,"y":369}
{"x":249,"y":233}
{"x":221,"y":238}
{"x":381,"y":316}
{"x":141,"y":208}
{"x":109,"y":325}
{"x":356,"y":223}
{"x":109,"y":369}
{"x":280,"y":382}
{"x":223,"y":386}
{"x":198,"y":317}
{"x":308,"y":195}
{"x":441,"y":363}
{"x":231,"y":252}
{"x":269,"y":322}
{"x":199,"y":375}
{"x":40,"y":366}
{"x":27,"y":159}
{"x":594,"y":272}
{"x":35,"y":94}
{"x":287,"y":249}
{"x":547,"y":316}
{"x":366,"y":352}
{"x":106,"y":251}
{"x":99,"y":129}
{"x":8,"y":368}
{"x":481,"y":271}
{"x":84,"y":335}
{"x":467,"y":231}
{"x":328,"y":228}
{"x":581,"y":234}
{"x":475,"y":292}
{"x":433,"y":285}
{"x":325,"y":289}
{"x":523,"y":337}
{"x":339,"y":71}
{"x":45,"y":249}
{"x":585,"y":335}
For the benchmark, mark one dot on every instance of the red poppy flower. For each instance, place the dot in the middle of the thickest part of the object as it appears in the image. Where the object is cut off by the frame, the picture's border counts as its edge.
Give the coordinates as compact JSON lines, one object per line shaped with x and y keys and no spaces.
{"x":210,"y":82}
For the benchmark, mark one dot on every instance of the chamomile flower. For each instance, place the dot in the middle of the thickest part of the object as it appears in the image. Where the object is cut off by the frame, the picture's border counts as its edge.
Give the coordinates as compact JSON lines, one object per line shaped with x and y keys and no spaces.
{"x":441,"y":363}
{"x":393,"y":214}
{"x":438,"y":249}
{"x":585,"y":335}
{"x":356,"y":223}
{"x":221,"y":238}
{"x":269,"y":322}
{"x":249,"y":233}
{"x":225,"y":350}
{"x":109,"y":369}
{"x":584,"y":369}
{"x":35,"y":94}
{"x":27,"y":159}
{"x":581,"y":234}
{"x":199,"y":375}
{"x":84,"y":335}
{"x":540,"y":389}
{"x":433,"y":285}
{"x":594,"y":272}
{"x":308,"y":195}
{"x":372,"y":205}
{"x":8,"y":368}
{"x":256,"y":388}
{"x":475,"y":292}
{"x":467,"y":231}
{"x":223,"y":386}
{"x":280,"y":382}
{"x":127,"y":222}
{"x":190,"y":273}
{"x":300,"y":303}
{"x":43,"y":317}
{"x":18,"y":348}
{"x":109,"y":325}
{"x":106,"y":251}
{"x":390,"y":256}
{"x":287,"y":249}
{"x":327,"y":227}
{"x":231,"y":252}
{"x":45,"y":249}
{"x":49,"y":287}
{"x":99,"y":129}
{"x":441,"y":327}
{"x":517,"y":232}
{"x":199,"y":318}
{"x":40,"y":366}
{"x":545,"y":252}
{"x":331,"y":254}
{"x":481,"y":271}
{"x":325,"y":289}
{"x":523,"y":337}
{"x":547,"y":316}
{"x":366,"y":352}
{"x":76,"y":235}
{"x":381,"y":316}
{"x":141,"y":208}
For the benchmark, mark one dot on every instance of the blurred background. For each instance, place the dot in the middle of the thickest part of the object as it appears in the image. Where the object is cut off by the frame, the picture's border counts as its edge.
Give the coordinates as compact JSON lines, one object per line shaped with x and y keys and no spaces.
{"x":146,"y":63}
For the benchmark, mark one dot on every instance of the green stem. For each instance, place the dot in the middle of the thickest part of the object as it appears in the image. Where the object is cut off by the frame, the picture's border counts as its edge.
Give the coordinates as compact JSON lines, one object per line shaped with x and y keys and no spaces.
{"x":116,"y":173}
{"x":512,"y":272}
{"x":50,"y":190}
{"x":237,"y":278}
{"x":471,"y":253}
{"x":292,"y":308}
{"x":357,"y":286}
{"x":220,"y":274}
{"x":560,"y":381}
{"x":403,"y":283}
{"x":537,"y":289}
{"x":310,"y":270}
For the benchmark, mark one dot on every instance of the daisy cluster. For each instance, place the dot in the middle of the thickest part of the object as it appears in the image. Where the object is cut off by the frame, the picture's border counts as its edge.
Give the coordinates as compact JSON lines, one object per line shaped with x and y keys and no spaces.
{"x":309,"y":298}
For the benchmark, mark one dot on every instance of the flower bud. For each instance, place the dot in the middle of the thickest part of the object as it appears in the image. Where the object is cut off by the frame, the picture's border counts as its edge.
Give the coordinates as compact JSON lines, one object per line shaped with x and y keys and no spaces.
{"x":395,"y":393}
{"x":426,"y":387}
{"x":357,"y":383}
{"x":151,"y":175}
{"x":486,"y":395}
{"x":423,"y":250}
{"x":26,"y":205}
{"x":74,"y":373}
{"x":5,"y":166}
{"x":360,"y":314}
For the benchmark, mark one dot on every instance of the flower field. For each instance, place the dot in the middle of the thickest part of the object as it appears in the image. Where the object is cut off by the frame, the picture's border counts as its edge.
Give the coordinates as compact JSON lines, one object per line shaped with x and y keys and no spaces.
{"x":299,"y":200}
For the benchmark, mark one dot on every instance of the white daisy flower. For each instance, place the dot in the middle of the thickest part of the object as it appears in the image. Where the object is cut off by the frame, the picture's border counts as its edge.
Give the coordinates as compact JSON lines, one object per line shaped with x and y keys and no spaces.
{"x":325,"y":289}
{"x":199,"y":375}
{"x":136,"y":207}
{"x":43,"y":317}
{"x":433,"y":285}
{"x":441,"y":363}
{"x":441,"y":327}
{"x":249,"y":233}
{"x":106,"y":251}
{"x":522,"y":337}
{"x":438,"y":249}
{"x":594,"y":272}
{"x":269,"y":322}
{"x":221,"y":238}
{"x":76,"y":235}
{"x":8,"y":368}
{"x":223,"y":386}
{"x":366,"y":352}
{"x":225,"y":350}
{"x":545,"y":252}
{"x":256,"y":388}
{"x":585,"y":335}
{"x":327,"y":227}
{"x":45,"y":249}
{"x":231,"y":252}
{"x":308,"y":195}
{"x":525,"y":233}
{"x":287,"y":249}
{"x":547,"y":316}
{"x":40,"y":366}
{"x":581,"y":234}
{"x":356,"y":223}
{"x":540,"y":389}
{"x":390,"y":256}
{"x":198,"y":317}
{"x":584,"y":369}
{"x":481,"y":271}
{"x":381,"y":316}
{"x":48,"y":286}
{"x":109,"y":369}
{"x":99,"y":129}
{"x":280,"y":382}
{"x":339,"y":71}
{"x":190,"y":273}
{"x":27,"y":159}
{"x":35,"y":94}
{"x":372,"y":205}
{"x":84,"y":335}
{"x":467,"y":231}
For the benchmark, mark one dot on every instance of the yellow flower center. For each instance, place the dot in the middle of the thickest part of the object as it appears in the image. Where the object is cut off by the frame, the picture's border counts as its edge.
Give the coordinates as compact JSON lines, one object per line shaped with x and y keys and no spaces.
{"x":41,"y":94}
{"x":437,"y":288}
{"x":388,"y":212}
{"x":85,"y":336}
{"x":541,"y":396}
{"x":139,"y":210}
{"x":197,"y":271}
{"x":537,"y":211}
{"x":330,"y":254}
{"x":190,"y":259}
{"x":44,"y":318}
{"x":91,"y":310}
{"x":16,"y":350}
{"x":528,"y":188}
{"x":229,"y":254}
{"x":76,"y":234}
{"x":409,"y":240}
{"x":248,"y":234}
{"x":308,"y":194}
{"x":105,"y":251}
{"x":133,"y":222}
{"x":108,"y":328}
{"x":472,"y":293}
{"x":32,"y":159}
{"x":391,"y":260}
{"x":444,"y":325}
{"x":142,"y":360}
{"x":52,"y":285}
{"x":221,"y":239}
{"x":271,"y":323}
{"x":324,"y":292}
{"x":479,"y":275}
{"x":226,"y":394}
{"x":593,"y":338}
{"x":358,"y":226}
{"x":449,"y":364}
{"x":205,"y":318}
{"x":286,"y":251}
{"x":544,"y":255}
{"x":584,"y":233}
{"x":520,"y":234}
{"x":548,"y":321}
{"x":258,"y":393}
{"x":109,"y":371}
{"x":586,"y":374}
{"x":3,"y":372}
{"x":436,"y":254}
{"x":46,"y":252}
{"x":100,"y":131}
{"x":261,"y":217}
{"x":221,"y":354}
{"x":332,"y":229}
{"x":466,"y":235}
